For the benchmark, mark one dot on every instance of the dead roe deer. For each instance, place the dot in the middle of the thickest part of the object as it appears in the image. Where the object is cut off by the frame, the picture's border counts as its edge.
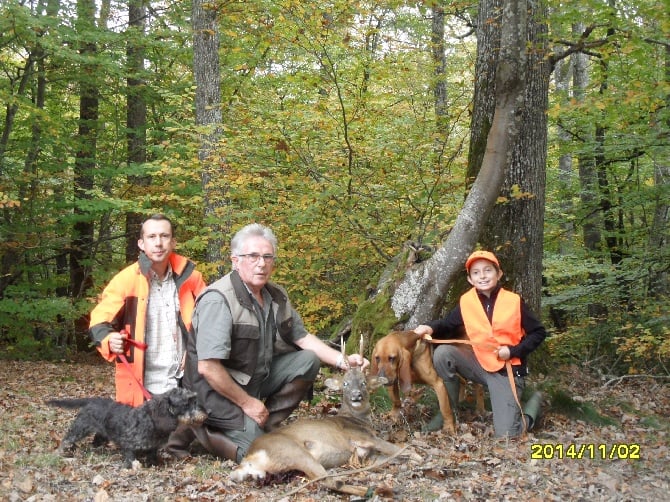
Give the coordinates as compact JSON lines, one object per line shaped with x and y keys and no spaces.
{"x":314,"y":445}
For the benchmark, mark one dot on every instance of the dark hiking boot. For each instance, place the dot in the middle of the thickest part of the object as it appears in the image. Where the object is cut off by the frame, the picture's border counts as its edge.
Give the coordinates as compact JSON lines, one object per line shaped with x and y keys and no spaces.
{"x":533,"y":409}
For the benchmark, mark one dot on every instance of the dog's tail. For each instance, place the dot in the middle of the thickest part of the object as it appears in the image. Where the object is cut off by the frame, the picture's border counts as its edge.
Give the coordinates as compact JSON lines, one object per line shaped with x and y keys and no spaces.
{"x":74,"y":403}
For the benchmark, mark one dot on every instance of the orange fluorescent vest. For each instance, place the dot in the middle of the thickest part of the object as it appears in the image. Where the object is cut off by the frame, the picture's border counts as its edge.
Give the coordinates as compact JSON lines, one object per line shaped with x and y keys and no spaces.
{"x":505,"y":328}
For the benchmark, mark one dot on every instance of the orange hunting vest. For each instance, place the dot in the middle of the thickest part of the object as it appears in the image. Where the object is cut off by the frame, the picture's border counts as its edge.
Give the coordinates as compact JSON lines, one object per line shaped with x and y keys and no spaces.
{"x":123,"y":305}
{"x":505,"y":328}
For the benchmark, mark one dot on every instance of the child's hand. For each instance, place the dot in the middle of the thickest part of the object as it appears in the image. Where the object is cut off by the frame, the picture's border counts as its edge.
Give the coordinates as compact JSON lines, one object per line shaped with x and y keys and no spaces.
{"x":424,"y":331}
{"x":503,"y":353}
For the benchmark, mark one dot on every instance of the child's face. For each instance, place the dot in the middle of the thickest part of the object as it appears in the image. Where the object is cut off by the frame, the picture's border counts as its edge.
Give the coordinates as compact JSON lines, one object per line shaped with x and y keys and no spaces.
{"x":484,"y":276}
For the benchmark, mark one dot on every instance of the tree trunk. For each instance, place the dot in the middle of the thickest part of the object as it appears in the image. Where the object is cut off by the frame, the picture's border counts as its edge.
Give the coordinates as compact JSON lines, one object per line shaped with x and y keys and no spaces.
{"x":85,"y":162}
{"x":439,"y":63}
{"x":136,"y":117}
{"x":419,"y":294}
{"x":488,"y":39}
{"x":208,"y":116}
{"x":659,"y":280}
{"x":10,"y":258}
{"x":563,"y":77}
{"x":591,"y":221}
{"x":515,"y":228}
{"x":596,"y":193}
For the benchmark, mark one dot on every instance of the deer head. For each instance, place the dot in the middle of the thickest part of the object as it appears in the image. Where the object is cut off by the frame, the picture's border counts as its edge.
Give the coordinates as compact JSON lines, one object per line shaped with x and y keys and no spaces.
{"x":355,"y":387}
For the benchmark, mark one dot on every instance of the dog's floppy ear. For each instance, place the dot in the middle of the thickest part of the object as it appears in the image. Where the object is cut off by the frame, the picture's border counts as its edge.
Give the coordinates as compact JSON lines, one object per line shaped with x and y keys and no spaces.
{"x":405,"y":370}
{"x":373,"y":362}
{"x":409,"y":339}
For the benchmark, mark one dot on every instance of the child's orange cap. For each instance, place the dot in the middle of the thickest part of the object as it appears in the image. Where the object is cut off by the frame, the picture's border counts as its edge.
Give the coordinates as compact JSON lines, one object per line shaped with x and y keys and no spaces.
{"x":481,"y":255}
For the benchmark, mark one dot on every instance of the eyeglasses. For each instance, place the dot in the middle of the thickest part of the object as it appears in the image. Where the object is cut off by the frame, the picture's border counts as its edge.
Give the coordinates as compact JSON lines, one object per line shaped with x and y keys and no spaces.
{"x":254,"y":257}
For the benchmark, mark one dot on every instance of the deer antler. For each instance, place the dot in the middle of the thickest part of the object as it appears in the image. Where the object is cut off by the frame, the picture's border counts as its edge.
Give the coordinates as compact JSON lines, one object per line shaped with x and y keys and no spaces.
{"x":345,"y":359}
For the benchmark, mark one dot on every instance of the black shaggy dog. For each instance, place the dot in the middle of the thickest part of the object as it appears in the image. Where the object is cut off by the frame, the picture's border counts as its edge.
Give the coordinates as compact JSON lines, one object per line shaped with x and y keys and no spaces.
{"x":140,"y":430}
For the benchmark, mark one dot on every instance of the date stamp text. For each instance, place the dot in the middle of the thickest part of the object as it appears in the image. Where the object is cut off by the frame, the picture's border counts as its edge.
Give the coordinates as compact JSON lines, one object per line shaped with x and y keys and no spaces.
{"x":586,"y":451}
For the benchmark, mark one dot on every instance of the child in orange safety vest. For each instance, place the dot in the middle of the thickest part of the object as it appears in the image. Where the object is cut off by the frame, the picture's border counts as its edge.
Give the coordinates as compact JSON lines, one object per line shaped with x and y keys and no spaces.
{"x":501,"y":328}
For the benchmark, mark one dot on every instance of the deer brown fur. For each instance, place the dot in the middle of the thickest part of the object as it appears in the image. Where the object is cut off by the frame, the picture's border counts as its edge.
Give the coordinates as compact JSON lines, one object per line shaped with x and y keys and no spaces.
{"x":314,"y":445}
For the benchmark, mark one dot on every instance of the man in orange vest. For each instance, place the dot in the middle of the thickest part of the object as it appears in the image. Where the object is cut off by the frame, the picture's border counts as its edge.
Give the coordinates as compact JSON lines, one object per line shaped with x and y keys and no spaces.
{"x":501,"y":328}
{"x":149,"y":302}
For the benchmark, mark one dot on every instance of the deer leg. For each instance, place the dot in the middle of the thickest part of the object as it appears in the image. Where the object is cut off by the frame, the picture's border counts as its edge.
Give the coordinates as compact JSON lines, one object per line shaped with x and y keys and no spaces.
{"x":287,"y":399}
{"x":377,"y":445}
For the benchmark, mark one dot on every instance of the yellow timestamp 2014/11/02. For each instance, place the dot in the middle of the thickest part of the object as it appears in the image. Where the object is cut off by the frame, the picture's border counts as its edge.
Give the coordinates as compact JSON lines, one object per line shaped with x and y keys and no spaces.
{"x":586,"y":451}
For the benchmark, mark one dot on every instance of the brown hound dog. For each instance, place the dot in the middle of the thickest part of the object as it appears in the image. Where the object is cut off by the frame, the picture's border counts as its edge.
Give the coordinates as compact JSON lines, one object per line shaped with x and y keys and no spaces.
{"x":404,"y":358}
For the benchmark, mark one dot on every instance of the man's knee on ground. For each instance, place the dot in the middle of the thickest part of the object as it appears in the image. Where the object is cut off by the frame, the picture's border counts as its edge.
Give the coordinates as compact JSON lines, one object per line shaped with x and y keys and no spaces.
{"x":444,"y":361}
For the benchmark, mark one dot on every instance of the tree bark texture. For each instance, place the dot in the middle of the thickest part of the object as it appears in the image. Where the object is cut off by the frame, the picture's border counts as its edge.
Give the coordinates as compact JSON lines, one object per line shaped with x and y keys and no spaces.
{"x":515,"y":228}
{"x":84,"y":166}
{"x":136,"y":117}
{"x":440,"y":63}
{"x":208,"y":116}
{"x":419,"y":294}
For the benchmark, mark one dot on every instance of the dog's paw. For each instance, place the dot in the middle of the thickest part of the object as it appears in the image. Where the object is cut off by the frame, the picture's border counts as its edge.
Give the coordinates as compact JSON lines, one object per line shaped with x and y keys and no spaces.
{"x":193,"y":417}
{"x":396,"y":414}
{"x":66,"y":449}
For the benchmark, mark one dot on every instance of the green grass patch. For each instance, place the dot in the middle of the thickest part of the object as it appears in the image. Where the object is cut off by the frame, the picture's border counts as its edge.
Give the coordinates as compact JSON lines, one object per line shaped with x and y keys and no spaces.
{"x":380,"y":400}
{"x":45,"y":460}
{"x":563,"y":404}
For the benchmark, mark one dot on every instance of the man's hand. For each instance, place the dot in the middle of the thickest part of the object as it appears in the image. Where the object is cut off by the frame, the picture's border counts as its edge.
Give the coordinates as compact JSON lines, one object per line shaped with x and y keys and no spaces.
{"x":255,"y":409}
{"x":117,"y":342}
{"x":358,"y":360}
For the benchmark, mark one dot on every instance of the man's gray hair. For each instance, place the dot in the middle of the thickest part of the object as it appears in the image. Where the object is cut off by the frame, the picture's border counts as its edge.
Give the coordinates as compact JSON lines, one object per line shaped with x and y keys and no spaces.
{"x":252,"y":230}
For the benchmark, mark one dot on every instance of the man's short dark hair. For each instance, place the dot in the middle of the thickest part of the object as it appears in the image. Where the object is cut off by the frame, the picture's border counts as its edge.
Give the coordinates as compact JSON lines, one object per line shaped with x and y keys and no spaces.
{"x":157,"y":217}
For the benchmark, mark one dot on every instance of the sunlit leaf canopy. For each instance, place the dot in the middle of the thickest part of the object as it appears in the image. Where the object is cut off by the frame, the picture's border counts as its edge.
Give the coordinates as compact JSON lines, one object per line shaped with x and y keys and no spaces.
{"x":329,"y":136}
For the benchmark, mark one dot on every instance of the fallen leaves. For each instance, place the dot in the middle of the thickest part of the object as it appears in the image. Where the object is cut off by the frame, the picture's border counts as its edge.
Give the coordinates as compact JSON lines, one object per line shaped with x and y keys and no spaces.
{"x":471,"y":465}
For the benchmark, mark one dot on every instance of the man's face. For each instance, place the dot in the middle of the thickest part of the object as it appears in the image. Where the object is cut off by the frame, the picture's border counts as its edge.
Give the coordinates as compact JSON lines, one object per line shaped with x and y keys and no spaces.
{"x":484,"y":276}
{"x":157,"y":241}
{"x":255,"y":274}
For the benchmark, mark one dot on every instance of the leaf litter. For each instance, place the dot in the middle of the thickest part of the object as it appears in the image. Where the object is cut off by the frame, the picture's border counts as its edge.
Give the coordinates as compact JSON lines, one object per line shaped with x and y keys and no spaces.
{"x":472,"y":465}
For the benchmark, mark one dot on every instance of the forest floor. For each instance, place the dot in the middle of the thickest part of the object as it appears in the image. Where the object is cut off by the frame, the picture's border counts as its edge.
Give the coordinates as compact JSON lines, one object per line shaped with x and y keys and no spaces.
{"x":625,"y":459}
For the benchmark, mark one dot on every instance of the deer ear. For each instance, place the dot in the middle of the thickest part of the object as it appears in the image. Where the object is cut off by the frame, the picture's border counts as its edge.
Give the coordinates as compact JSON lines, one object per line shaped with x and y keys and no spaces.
{"x":374,"y":382}
{"x":405,"y":370}
{"x":334,"y":383}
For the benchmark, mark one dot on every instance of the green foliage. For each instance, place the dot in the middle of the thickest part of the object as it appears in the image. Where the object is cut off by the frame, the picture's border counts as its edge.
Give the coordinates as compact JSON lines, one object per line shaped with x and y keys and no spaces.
{"x":380,"y":401}
{"x":330,"y":137}
{"x":564,"y":404}
{"x":38,"y":327}
{"x":645,"y":348}
{"x":630,"y":337}
{"x":607,"y":289}
{"x":335,"y":150}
